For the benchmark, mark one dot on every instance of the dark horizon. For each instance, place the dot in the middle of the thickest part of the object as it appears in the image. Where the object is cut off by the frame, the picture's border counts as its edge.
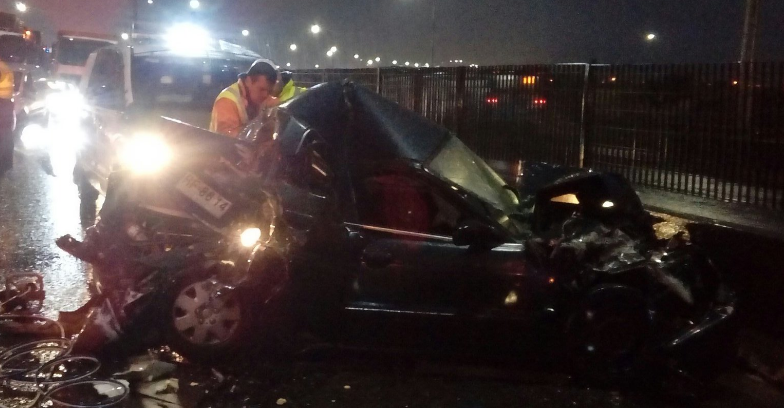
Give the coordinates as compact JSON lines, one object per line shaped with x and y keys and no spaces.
{"x":482,"y":32}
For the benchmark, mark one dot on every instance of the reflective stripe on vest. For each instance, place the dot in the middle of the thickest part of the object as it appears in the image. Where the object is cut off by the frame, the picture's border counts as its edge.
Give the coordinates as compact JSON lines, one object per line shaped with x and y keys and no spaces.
{"x":6,"y":81}
{"x":233,"y":94}
{"x":289,"y":91}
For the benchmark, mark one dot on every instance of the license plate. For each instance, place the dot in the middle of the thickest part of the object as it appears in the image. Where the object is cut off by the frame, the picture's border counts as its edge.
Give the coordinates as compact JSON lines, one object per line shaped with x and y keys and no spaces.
{"x":200,"y":193}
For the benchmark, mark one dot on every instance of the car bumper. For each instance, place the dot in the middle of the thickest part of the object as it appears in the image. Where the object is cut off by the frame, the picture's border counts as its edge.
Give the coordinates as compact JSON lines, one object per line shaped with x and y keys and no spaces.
{"x":711,"y":342}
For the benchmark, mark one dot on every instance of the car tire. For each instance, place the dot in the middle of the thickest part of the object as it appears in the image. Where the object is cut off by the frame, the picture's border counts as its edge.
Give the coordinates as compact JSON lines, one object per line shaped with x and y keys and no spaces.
{"x":605,"y":340}
{"x":203,"y":329}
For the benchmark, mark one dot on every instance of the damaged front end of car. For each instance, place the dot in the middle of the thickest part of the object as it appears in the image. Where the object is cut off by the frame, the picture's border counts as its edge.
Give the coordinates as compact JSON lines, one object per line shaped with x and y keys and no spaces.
{"x":634,"y":297}
{"x":188,"y":251}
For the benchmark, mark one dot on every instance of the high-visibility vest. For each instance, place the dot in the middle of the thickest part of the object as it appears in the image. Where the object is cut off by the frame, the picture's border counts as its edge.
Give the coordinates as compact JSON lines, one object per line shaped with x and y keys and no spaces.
{"x":6,"y":81}
{"x":233,"y":94}
{"x":289,"y":91}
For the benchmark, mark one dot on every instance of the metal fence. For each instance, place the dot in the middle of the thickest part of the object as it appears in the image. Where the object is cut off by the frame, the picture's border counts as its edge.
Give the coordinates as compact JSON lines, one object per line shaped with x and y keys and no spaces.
{"x":710,"y":130}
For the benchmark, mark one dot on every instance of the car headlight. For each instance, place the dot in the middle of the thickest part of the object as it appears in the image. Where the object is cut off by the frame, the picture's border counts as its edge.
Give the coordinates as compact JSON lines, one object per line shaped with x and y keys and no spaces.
{"x":65,"y":104}
{"x":145,"y":154}
{"x":34,"y":136}
{"x":250,"y":237}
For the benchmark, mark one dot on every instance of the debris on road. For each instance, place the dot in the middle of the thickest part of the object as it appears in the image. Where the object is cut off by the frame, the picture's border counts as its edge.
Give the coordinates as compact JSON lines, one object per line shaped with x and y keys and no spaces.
{"x":146,"y":368}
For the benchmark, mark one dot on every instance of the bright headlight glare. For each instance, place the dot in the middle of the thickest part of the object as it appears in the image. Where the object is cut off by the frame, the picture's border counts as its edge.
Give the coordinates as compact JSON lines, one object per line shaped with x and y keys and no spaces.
{"x":65,"y":104}
{"x":33,"y":136}
{"x":145,"y":154}
{"x":250,"y":237}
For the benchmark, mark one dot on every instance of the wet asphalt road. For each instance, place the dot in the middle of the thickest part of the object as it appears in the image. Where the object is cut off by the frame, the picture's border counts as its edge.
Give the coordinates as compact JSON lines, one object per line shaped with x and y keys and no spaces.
{"x":36,"y":208}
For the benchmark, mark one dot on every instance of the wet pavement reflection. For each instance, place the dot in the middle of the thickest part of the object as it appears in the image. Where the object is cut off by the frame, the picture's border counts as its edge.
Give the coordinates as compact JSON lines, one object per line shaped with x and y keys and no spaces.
{"x":36,"y":209}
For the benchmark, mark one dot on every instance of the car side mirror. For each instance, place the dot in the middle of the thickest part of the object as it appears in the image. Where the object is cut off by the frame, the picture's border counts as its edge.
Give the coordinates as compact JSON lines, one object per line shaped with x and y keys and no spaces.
{"x":476,"y":234}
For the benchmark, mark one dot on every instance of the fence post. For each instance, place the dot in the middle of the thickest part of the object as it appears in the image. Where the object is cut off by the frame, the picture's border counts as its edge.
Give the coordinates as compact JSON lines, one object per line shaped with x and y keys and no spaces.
{"x":419,"y":88}
{"x":586,"y":114}
{"x":460,"y":84}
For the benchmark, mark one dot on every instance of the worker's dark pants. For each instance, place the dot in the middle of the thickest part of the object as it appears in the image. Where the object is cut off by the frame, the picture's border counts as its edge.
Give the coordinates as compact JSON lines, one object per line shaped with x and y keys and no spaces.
{"x":6,"y":135}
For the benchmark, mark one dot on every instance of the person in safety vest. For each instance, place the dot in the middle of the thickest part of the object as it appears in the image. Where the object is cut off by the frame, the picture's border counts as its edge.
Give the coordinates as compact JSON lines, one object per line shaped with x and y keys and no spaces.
{"x":236,"y":105}
{"x":7,"y":118}
{"x":285,"y":89}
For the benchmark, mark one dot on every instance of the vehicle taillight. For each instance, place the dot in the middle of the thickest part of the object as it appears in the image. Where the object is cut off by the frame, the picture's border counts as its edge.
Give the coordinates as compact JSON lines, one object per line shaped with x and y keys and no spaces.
{"x":540,"y":101}
{"x":492,"y":100}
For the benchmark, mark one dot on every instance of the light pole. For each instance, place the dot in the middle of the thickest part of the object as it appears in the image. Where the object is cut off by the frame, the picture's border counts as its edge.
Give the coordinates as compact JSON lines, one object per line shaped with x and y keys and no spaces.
{"x":433,"y":34}
{"x":750,"y":28}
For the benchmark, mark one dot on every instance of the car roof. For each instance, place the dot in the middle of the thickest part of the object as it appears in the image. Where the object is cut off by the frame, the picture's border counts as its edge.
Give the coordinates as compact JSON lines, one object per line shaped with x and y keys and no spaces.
{"x":381,"y":130}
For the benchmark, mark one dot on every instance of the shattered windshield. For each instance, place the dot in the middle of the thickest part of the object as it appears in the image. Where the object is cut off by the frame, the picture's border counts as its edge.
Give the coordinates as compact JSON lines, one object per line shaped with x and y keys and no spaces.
{"x":458,"y":164}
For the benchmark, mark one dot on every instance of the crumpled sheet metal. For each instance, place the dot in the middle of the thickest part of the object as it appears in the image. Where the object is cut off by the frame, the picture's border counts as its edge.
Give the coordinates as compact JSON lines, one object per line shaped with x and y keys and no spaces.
{"x":593,"y":247}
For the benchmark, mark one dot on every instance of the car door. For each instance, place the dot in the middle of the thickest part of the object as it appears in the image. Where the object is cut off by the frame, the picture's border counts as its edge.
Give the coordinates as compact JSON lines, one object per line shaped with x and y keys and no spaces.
{"x":411,"y":271}
{"x":408,"y":262}
{"x":105,"y":88}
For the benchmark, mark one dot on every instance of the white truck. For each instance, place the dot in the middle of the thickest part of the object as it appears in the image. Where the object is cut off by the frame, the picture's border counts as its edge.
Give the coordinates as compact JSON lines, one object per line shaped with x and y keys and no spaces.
{"x":127,"y":86}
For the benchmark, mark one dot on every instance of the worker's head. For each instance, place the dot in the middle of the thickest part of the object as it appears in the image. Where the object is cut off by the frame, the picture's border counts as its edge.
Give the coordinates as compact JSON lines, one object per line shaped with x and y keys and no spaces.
{"x":283,"y":79}
{"x":260,"y":81}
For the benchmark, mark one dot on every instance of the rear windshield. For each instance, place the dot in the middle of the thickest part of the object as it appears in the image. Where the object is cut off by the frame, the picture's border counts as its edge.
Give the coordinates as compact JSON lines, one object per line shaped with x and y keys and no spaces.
{"x":181,"y":88}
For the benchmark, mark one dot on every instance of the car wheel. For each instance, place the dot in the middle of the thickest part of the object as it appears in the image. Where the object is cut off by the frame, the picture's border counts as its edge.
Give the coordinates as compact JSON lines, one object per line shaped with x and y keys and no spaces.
{"x":606,"y":341}
{"x":204,"y":324}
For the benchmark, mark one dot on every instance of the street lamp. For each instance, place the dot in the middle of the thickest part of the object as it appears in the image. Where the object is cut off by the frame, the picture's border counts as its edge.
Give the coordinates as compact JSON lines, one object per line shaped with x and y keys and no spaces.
{"x":195,"y":4}
{"x":416,"y":65}
{"x":149,"y":1}
{"x":330,"y":53}
{"x":21,"y":7}
{"x":378,"y":59}
{"x":288,"y":64}
{"x":245,"y":33}
{"x":334,"y":49}
{"x":315,"y":29}
{"x":293,"y":47}
{"x":370,"y":62}
{"x":356,"y":56}
{"x":407,"y":63}
{"x":317,"y":65}
{"x":124,"y":36}
{"x":394,"y":62}
{"x":650,"y":36}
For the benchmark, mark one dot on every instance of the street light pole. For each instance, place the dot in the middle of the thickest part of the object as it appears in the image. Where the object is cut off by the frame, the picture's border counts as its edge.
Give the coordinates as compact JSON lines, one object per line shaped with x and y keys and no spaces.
{"x":749,"y":43}
{"x":135,"y":9}
{"x":433,"y":35}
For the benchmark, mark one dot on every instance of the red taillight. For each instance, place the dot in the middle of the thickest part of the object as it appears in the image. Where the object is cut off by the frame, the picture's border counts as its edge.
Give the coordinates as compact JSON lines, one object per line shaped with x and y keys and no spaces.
{"x":540,"y":101}
{"x":492,"y":100}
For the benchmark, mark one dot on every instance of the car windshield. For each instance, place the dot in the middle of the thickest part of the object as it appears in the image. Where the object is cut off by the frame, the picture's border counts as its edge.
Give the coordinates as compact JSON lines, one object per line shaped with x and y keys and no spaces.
{"x":458,"y":164}
{"x":75,"y":51}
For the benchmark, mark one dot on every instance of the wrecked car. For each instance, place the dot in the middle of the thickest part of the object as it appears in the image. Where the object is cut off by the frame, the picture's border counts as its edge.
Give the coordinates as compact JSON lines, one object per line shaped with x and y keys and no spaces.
{"x":361,"y":222}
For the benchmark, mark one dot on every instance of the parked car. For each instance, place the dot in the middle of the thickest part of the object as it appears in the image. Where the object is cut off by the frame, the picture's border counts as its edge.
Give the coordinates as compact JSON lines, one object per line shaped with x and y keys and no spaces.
{"x":384,"y":229}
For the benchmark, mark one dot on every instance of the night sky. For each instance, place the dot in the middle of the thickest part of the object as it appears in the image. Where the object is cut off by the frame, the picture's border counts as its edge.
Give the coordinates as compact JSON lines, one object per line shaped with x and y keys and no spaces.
{"x":476,"y":31}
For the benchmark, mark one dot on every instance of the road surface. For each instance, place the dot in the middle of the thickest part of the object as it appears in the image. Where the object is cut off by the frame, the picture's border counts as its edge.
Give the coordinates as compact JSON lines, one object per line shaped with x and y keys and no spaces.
{"x":36,"y":208}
